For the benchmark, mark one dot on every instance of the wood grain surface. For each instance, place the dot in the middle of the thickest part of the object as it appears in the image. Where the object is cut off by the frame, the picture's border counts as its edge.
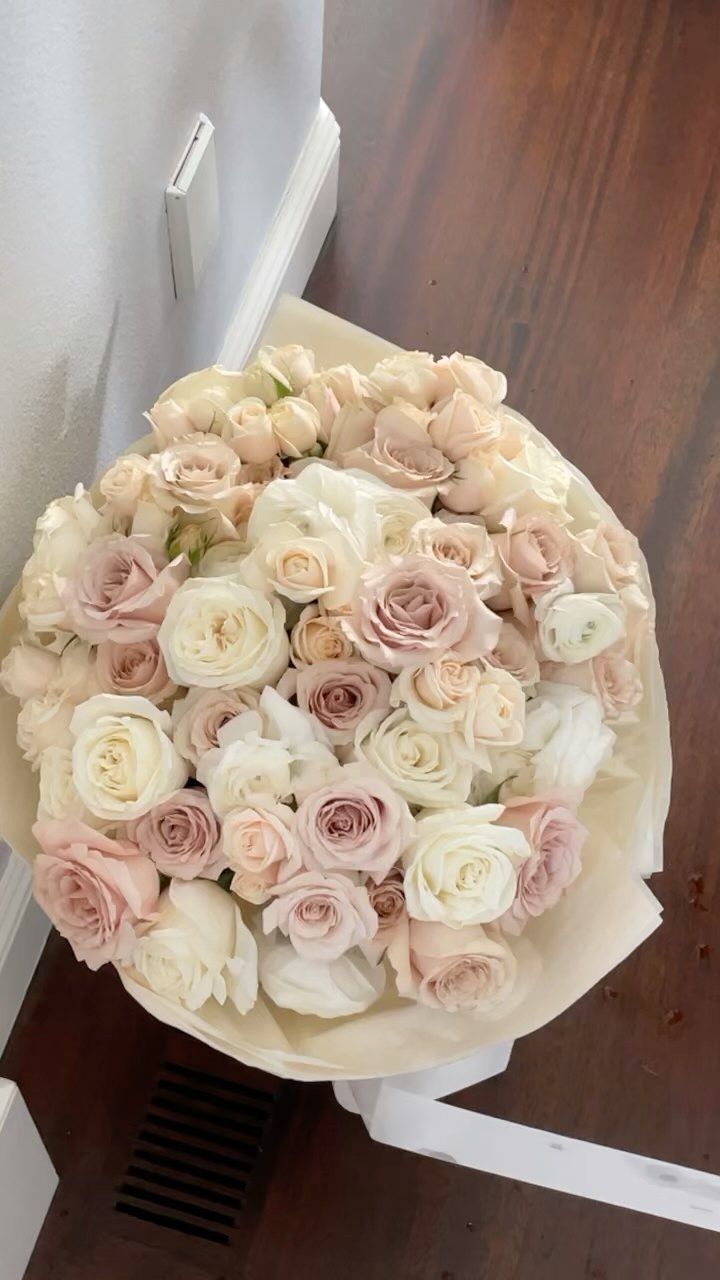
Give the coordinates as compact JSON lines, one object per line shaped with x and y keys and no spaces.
{"x":536,"y":182}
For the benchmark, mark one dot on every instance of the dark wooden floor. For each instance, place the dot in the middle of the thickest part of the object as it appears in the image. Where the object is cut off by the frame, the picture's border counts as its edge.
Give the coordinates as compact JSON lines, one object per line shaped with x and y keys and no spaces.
{"x":537,"y":182}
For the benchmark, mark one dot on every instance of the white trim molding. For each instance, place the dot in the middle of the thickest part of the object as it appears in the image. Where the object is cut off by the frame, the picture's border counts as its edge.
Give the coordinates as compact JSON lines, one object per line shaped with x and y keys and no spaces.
{"x":23,"y":931}
{"x":27,"y":1183}
{"x":295,"y":238}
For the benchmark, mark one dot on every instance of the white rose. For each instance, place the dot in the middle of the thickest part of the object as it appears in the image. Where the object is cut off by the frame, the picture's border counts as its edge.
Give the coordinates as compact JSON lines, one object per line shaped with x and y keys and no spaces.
{"x":399,"y":515}
{"x":124,"y":762}
{"x":425,"y":767}
{"x":574,"y":627}
{"x":409,"y":375}
{"x":198,"y":949}
{"x":352,"y":427}
{"x":194,"y":403}
{"x":564,"y":744}
{"x":335,"y":990}
{"x":296,"y":424}
{"x":271,"y":752}
{"x":124,"y":484}
{"x":250,"y":432}
{"x":220,"y":634}
{"x":44,"y":721}
{"x":438,"y":695}
{"x":292,"y":365}
{"x":533,"y":479}
{"x":461,"y":867}
{"x":318,"y":496}
{"x":58,"y":795}
{"x":27,"y":670}
{"x":304,"y":569}
{"x":62,"y":534}
{"x":466,"y":373}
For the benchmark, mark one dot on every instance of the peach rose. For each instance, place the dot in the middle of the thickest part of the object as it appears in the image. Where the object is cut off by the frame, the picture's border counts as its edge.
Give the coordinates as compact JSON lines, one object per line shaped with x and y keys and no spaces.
{"x":260,"y":848}
{"x":461,"y":971}
{"x":138,"y":667}
{"x":338,"y":694}
{"x":181,"y":835}
{"x":121,"y":589}
{"x":95,"y":890}
{"x":401,"y":453}
{"x":356,"y":822}
{"x":415,"y":610}
{"x":462,"y":425}
{"x":249,"y":431}
{"x":318,"y":637}
{"x":463,"y":543}
{"x":323,"y":915}
{"x":555,"y":837}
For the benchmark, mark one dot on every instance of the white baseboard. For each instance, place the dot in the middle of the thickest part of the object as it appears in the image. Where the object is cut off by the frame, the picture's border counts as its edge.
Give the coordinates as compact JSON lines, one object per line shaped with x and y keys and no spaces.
{"x":27,"y":1183}
{"x":294,"y":240}
{"x":23,"y":931}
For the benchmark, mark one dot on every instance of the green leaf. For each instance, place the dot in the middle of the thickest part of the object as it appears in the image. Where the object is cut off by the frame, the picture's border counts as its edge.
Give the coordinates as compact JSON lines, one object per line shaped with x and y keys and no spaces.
{"x":282,"y":390}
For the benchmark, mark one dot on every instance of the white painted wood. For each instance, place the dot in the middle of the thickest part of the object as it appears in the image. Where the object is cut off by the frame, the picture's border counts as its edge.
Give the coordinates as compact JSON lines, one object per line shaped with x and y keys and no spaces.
{"x":27,"y":1183}
{"x":295,"y":238}
{"x":23,"y":931}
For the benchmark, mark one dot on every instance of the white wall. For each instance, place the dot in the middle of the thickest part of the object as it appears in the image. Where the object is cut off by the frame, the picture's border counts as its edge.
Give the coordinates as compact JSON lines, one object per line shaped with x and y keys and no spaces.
{"x":97,"y":101}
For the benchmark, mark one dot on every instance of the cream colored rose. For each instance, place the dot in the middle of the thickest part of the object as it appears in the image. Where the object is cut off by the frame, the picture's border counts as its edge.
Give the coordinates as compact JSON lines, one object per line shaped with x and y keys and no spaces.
{"x":533,"y":479}
{"x":260,"y":848}
{"x":195,"y":403}
{"x":461,"y":867}
{"x":304,"y":569}
{"x":220,"y":634}
{"x":401,"y":453}
{"x":409,"y":375}
{"x":296,"y":424}
{"x":323,"y":399}
{"x":291,"y":366}
{"x":425,"y":767}
{"x":318,"y":637}
{"x":195,"y":474}
{"x":352,"y":428}
{"x":124,"y":762}
{"x":249,"y":431}
{"x":496,"y":714}
{"x":198,"y":948}
{"x":58,"y":795}
{"x":609,"y":559}
{"x":315,"y":987}
{"x":461,"y":543}
{"x":461,"y":425}
{"x":575,"y":626}
{"x":44,"y":721}
{"x":62,"y":534}
{"x":399,"y":515}
{"x":124,"y":484}
{"x":438,"y":695}
{"x":466,"y":373}
{"x":27,"y":670}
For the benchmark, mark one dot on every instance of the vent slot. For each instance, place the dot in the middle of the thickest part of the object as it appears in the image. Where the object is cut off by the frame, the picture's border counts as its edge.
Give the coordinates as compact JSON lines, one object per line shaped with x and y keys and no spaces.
{"x":197,"y":1148}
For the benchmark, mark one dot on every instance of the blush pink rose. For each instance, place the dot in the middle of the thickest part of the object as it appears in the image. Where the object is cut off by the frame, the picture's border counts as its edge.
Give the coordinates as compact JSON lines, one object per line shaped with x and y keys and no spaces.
{"x":323,"y":915}
{"x":610,"y":677}
{"x":338,"y":694}
{"x":467,"y":970}
{"x":556,"y":838}
{"x":387,"y":899}
{"x":260,"y":848}
{"x":536,"y":552}
{"x":181,"y":835}
{"x":461,"y":425}
{"x":413,"y":611}
{"x":121,"y":589}
{"x":357,"y":822}
{"x":515,"y":653}
{"x":198,"y":718}
{"x":95,"y":890}
{"x":402,"y":454}
{"x":136,"y":668}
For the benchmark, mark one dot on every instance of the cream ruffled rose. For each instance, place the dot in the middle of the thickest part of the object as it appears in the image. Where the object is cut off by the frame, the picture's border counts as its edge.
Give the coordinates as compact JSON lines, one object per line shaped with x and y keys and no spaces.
{"x":462,"y":425}
{"x":27,"y":670}
{"x":259,"y":847}
{"x":194,"y":474}
{"x":412,"y":612}
{"x":564,"y":744}
{"x":576,"y":626}
{"x":398,"y":514}
{"x":409,"y":375}
{"x":322,"y":989}
{"x":198,"y":718}
{"x":62,"y":535}
{"x":95,"y":890}
{"x":424,"y":767}
{"x":58,"y":795}
{"x":531,"y":479}
{"x":323,"y":916}
{"x":468,"y":971}
{"x":467,"y":373}
{"x":218,"y":633}
{"x":124,"y":762}
{"x":124,"y":484}
{"x":461,"y":867}
{"x":195,"y":403}
{"x":198,"y":949}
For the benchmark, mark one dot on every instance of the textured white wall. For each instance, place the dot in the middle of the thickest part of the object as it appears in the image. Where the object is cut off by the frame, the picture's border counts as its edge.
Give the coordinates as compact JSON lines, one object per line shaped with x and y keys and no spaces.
{"x":97,"y":101}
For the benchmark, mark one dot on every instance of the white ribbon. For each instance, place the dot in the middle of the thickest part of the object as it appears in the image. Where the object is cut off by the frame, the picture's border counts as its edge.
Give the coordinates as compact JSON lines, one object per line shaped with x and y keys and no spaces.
{"x":401,"y":1111}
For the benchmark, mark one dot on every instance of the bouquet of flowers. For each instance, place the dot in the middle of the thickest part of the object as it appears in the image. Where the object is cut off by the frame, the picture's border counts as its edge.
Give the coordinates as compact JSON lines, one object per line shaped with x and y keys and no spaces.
{"x":339,"y":707}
